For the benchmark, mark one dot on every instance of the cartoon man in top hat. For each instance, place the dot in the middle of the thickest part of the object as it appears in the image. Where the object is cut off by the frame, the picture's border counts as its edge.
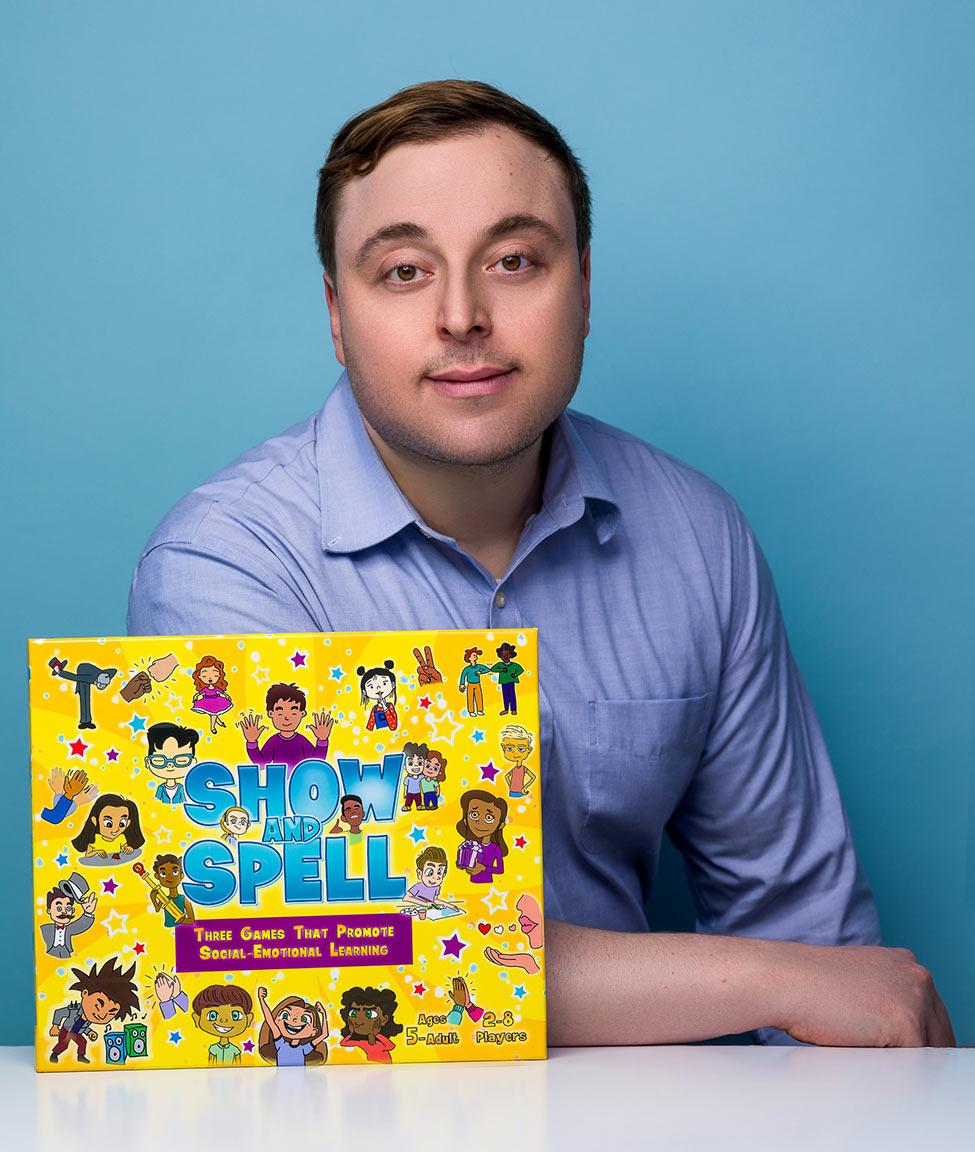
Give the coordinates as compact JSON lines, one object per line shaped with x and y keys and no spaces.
{"x":58,"y":936}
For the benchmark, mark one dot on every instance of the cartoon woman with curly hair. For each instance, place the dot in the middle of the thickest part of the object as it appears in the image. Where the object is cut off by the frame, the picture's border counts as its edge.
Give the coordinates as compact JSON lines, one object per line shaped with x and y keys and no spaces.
{"x":483,"y":815}
{"x":368,"y":1022}
{"x":378,"y":687}
{"x":211,"y":697}
{"x":293,"y":1033}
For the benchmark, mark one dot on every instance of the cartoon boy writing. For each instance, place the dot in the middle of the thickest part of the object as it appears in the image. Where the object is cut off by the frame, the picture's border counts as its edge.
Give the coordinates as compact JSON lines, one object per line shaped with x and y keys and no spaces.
{"x":107,"y":994}
{"x":286,"y":706}
{"x":171,"y":754}
{"x":431,"y":868}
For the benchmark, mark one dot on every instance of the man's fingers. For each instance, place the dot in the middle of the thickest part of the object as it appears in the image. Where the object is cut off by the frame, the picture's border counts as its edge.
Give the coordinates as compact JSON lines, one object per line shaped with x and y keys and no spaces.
{"x":417,"y":656}
{"x":428,"y":654}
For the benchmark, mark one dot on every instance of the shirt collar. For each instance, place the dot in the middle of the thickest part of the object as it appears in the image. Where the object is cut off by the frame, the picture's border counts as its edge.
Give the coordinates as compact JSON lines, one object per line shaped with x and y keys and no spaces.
{"x":361,"y":504}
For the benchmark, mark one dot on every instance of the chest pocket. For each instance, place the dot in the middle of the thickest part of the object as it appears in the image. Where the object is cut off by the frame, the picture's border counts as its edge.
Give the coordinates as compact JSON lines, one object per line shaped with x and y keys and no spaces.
{"x":642,"y":754}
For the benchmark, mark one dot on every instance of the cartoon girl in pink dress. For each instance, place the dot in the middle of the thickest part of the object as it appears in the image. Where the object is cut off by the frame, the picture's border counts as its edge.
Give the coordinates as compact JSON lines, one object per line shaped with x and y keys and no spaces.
{"x":211,"y":697}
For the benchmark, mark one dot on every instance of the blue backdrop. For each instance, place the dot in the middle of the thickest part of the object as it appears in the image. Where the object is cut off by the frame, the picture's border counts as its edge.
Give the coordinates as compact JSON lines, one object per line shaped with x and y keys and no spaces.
{"x":783,"y":296}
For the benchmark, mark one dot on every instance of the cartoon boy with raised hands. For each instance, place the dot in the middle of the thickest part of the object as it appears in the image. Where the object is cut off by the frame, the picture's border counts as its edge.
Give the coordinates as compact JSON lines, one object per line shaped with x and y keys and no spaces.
{"x":286,"y":706}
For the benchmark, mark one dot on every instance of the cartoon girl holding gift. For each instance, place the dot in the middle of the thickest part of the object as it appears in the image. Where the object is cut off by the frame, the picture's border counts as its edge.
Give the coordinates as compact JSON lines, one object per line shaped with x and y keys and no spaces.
{"x":211,"y":697}
{"x":378,"y":687}
{"x":482,"y":853}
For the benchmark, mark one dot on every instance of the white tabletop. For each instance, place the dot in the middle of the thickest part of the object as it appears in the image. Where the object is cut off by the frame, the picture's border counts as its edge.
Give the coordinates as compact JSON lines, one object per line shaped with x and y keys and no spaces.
{"x":598,"y":1099}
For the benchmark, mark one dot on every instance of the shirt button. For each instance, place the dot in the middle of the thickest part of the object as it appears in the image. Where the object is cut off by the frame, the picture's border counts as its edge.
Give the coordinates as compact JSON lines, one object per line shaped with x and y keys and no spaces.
{"x":499,"y":599}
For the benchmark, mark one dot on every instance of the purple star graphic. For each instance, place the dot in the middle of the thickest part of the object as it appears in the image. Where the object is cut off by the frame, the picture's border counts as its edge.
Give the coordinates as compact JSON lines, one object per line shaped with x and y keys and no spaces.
{"x":298,"y":659}
{"x":109,"y":886}
{"x":452,"y":945}
{"x":113,"y":754}
{"x":248,"y":1045}
{"x":488,"y":771}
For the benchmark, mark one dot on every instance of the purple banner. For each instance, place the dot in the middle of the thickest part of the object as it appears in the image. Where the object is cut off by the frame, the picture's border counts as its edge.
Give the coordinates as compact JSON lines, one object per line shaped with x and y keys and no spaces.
{"x":294,"y":942}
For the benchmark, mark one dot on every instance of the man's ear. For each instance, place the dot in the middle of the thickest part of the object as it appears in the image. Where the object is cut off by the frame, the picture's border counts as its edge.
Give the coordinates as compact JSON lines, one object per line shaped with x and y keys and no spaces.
{"x":250,"y":1019}
{"x":196,"y":1019}
{"x":585,"y":270}
{"x":334,"y":319}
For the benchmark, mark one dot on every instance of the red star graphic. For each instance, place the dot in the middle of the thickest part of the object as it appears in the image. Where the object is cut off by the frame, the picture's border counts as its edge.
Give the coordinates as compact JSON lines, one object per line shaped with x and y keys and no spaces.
{"x":78,"y":747}
{"x":418,"y":989}
{"x":138,"y":949}
{"x":424,"y":701}
{"x":520,"y":841}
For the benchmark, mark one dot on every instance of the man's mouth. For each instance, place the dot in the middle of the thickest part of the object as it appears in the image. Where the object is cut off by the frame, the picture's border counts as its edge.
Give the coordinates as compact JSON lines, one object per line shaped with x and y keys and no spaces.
{"x":290,"y":1028}
{"x":526,"y":924}
{"x":486,"y":381}
{"x":222,"y":1030}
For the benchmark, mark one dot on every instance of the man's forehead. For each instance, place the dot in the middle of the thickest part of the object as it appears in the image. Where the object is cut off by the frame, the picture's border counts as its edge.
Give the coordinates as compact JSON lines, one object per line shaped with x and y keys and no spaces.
{"x":455,"y":189}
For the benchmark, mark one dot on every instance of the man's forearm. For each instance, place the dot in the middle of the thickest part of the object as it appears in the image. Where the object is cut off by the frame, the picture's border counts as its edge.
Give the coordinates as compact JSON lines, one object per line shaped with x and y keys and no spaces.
{"x":653,"y":988}
{"x":669,"y":988}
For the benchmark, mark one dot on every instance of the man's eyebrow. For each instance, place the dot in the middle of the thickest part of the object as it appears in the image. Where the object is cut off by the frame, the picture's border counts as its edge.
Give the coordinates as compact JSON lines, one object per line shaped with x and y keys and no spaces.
{"x":408,"y":230}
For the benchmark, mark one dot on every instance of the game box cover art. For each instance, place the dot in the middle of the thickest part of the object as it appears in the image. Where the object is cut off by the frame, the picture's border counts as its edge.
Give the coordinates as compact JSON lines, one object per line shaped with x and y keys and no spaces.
{"x":286,"y":850}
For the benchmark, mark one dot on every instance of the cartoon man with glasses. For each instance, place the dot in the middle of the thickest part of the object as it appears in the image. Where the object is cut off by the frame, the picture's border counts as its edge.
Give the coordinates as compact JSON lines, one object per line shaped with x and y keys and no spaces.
{"x":172,"y":753}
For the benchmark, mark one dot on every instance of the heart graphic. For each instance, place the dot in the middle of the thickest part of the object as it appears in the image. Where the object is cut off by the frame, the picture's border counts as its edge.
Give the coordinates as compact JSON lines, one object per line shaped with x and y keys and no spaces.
{"x":483,"y":928}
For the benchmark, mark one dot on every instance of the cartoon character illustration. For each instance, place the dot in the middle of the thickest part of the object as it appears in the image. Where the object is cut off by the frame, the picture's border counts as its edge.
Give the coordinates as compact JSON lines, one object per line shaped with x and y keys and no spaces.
{"x":352,"y":813}
{"x":369,"y":1022}
{"x":111,"y":831}
{"x":431,"y":868}
{"x":415,"y":759}
{"x":70,"y":790}
{"x":86,"y":677}
{"x":516,"y":746}
{"x":483,"y":816}
{"x":61,"y":906}
{"x":379,"y":686}
{"x":171,"y":754}
{"x":286,"y":706}
{"x":530,"y":922}
{"x":165,"y":894}
{"x":470,"y":681}
{"x":293,"y":1033}
{"x":461,"y":996}
{"x":211,"y":698}
{"x":434,"y":771}
{"x":169,"y":994}
{"x":224,"y":1011}
{"x":107,"y":994}
{"x":235,"y":823}
{"x":508,"y":673}
{"x":426,"y":670}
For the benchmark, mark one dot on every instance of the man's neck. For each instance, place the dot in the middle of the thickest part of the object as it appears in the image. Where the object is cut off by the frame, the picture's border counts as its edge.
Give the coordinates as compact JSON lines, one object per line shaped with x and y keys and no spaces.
{"x":483,"y":508}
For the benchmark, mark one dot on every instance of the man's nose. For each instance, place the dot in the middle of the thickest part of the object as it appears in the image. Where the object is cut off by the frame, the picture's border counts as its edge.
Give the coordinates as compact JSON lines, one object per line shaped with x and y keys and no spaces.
{"x":463,"y":306}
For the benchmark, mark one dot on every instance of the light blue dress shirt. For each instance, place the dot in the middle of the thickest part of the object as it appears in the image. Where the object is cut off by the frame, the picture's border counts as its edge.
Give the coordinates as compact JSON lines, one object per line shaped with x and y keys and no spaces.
{"x":669,"y":698}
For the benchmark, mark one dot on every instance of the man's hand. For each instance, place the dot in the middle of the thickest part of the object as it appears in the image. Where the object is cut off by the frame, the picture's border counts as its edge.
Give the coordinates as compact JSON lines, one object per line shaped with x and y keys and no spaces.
{"x":56,"y":781}
{"x":861,"y":997}
{"x":167,"y":987}
{"x":88,"y":902}
{"x":321,"y":725}
{"x":74,"y":783}
{"x":86,"y":795}
{"x":251,"y":726}
{"x":426,"y":671}
{"x":459,"y":992}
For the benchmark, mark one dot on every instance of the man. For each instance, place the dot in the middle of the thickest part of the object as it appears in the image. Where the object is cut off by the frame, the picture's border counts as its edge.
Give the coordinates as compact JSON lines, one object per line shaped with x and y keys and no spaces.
{"x":170,"y":754}
{"x":286,"y":707}
{"x":453,"y":224}
{"x":106,"y":994}
{"x":58,"y":936}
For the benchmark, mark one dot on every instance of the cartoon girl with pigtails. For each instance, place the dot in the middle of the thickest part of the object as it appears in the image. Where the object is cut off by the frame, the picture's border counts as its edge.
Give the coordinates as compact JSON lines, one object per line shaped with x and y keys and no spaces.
{"x":378,"y":687}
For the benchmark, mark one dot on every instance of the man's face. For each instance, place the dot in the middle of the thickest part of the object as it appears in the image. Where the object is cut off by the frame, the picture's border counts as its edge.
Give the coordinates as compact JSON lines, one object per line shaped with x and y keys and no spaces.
{"x":62,"y":910}
{"x":449,"y":296}
{"x":97,"y":1008}
{"x":352,"y":813}
{"x":514,"y":748}
{"x":170,"y":760}
{"x":431,"y":874}
{"x":169,"y":874}
{"x":414,"y":765}
{"x":286,"y":715}
{"x":223,"y":1020}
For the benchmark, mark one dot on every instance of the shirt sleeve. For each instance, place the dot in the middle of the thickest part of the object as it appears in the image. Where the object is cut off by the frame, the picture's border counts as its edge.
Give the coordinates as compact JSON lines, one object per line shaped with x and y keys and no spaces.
{"x":181,"y":588}
{"x":761,"y":826}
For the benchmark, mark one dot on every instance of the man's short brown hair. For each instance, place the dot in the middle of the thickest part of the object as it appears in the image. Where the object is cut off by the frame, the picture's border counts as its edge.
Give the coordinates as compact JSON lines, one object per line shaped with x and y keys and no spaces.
{"x":217,"y":995}
{"x":436,"y":110}
{"x":279,"y":692}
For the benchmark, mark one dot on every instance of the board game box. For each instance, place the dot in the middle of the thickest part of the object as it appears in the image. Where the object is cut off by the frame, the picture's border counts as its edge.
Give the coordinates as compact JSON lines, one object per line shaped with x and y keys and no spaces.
{"x":286,"y":850}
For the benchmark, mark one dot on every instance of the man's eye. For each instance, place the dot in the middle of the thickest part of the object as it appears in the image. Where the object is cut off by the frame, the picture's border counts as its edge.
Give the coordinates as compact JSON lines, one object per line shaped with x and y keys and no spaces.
{"x":370,"y":1013}
{"x":235,"y":1015}
{"x":400,"y":274}
{"x":510,"y":263}
{"x":212,"y":1016}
